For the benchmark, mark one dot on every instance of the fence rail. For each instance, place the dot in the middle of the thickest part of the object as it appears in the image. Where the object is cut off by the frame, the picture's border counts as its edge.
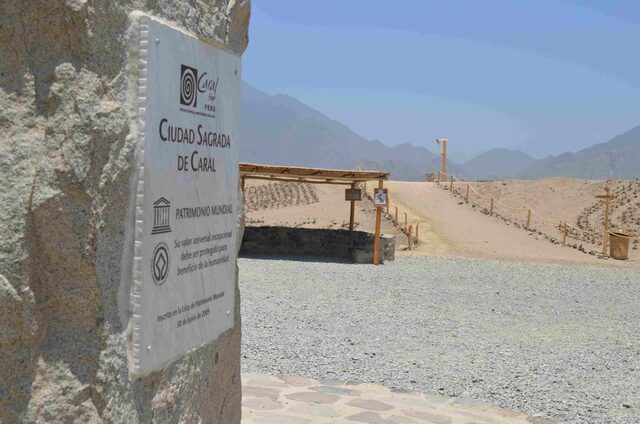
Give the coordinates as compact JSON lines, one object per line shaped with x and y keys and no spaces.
{"x":566,"y":229}
{"x":400,"y":220}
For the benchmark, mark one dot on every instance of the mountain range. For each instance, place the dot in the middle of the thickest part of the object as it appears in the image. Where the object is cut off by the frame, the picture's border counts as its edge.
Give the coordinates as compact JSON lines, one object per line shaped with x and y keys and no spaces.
{"x":279,"y":129}
{"x":617,"y":158}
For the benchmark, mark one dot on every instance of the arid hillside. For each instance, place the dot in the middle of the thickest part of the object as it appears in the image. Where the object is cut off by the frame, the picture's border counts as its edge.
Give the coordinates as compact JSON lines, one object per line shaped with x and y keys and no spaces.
{"x":451,"y":227}
{"x":556,"y":200}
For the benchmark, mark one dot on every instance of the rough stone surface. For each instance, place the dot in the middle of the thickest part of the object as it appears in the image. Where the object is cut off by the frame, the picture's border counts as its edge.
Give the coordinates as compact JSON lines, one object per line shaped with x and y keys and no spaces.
{"x":66,"y":162}
{"x":356,"y":246}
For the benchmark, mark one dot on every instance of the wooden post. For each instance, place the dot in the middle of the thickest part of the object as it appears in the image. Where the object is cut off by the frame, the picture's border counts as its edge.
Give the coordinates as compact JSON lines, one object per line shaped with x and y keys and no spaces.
{"x":444,"y":157}
{"x":451,"y":185}
{"x":352,"y":213}
{"x":528,"y":219}
{"x":605,"y":237}
{"x":491,"y":209}
{"x":417,"y":231}
{"x":444,"y":142}
{"x":406,"y":221}
{"x":564,"y":234}
{"x":607,"y":197}
{"x":376,"y":240}
{"x":466,"y":195}
{"x":396,"y":215}
{"x":409,"y":237}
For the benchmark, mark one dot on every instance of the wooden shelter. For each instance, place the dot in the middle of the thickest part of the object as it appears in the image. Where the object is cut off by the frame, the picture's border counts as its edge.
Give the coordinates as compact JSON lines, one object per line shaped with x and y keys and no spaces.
{"x":297,"y":174}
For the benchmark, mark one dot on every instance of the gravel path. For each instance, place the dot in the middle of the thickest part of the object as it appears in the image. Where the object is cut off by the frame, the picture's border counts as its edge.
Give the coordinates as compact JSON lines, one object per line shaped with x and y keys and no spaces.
{"x":557,"y":341}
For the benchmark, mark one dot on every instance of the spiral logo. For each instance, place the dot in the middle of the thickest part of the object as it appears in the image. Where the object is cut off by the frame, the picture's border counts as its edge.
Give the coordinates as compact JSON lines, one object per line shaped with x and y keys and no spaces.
{"x":188,"y":88}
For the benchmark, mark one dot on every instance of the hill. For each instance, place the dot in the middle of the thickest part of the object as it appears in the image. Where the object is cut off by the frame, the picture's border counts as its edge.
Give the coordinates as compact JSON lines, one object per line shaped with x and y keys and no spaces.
{"x":617,"y":158}
{"x":278,"y":129}
{"x":497,"y":163}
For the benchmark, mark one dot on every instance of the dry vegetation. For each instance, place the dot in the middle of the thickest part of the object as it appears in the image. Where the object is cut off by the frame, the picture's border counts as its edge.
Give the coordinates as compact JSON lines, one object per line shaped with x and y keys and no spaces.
{"x":309,"y":206}
{"x":278,"y":195}
{"x":624,"y":212}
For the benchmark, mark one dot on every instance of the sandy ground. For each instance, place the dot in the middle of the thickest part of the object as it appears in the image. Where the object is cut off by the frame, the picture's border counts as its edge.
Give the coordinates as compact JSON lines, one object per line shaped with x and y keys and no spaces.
{"x":324,"y":206}
{"x":566,"y":199}
{"x":448,"y":226}
{"x":455,"y":228}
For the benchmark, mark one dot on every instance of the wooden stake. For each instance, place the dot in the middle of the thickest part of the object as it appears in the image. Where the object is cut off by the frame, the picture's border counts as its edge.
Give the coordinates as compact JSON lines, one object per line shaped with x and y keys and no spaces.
{"x":409,"y":236}
{"x":607,"y":197}
{"x":444,"y":157}
{"x":396,"y":215}
{"x":406,"y":221}
{"x":444,"y":142}
{"x":605,"y":240}
{"x":417,"y":231}
{"x":491,"y":209}
{"x":352,"y":213}
{"x":466,"y":196}
{"x":528,"y":219}
{"x":564,"y":234}
{"x":376,"y":240}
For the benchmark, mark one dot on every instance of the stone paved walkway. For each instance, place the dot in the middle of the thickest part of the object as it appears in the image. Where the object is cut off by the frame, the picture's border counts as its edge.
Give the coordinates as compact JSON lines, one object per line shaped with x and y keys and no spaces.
{"x":297,"y":400}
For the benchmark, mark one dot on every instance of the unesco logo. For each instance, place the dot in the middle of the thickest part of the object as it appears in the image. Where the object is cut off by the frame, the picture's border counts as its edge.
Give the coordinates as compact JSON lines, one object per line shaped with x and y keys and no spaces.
{"x":188,"y":86}
{"x":160,"y":263}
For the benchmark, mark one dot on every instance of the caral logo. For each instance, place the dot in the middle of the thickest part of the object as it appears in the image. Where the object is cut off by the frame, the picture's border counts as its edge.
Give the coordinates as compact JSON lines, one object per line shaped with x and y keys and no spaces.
{"x":188,"y":86}
{"x":160,"y":263}
{"x":198,"y":91}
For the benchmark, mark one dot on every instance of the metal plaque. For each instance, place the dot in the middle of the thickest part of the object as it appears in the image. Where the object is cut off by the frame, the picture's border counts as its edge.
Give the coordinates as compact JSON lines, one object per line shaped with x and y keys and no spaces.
{"x":187,"y":197}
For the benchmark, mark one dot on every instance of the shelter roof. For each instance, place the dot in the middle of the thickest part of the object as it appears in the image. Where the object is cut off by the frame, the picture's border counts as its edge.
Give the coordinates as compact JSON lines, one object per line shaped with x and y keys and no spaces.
{"x":310,"y":175}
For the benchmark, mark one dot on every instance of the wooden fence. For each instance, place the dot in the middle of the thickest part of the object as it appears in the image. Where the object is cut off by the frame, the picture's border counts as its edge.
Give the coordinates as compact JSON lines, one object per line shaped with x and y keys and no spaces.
{"x":400,"y":219}
{"x":566,"y":230}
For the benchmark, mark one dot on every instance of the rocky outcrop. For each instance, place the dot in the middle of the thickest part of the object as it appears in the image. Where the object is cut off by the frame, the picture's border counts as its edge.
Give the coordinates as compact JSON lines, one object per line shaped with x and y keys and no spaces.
{"x":66,"y":158}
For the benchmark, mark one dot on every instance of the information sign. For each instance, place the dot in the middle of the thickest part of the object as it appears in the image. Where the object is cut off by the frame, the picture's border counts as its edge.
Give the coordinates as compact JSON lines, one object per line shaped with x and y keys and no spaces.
{"x":353,"y":194}
{"x":187,"y":199}
{"x":380,"y":197}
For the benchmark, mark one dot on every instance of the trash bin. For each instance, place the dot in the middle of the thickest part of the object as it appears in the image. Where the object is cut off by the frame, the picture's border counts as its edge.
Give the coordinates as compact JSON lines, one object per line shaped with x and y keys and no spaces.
{"x":619,"y":244}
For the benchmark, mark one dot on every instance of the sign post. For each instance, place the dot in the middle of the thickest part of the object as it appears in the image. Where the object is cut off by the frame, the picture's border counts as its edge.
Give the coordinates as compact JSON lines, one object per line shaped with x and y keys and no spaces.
{"x":184,"y":264}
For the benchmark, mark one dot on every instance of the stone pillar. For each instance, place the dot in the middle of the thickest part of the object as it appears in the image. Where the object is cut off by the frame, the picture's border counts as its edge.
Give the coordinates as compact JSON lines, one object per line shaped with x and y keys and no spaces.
{"x":66,"y":166}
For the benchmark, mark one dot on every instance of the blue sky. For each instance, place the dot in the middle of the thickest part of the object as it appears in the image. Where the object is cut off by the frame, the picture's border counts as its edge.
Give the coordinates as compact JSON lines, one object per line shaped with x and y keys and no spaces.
{"x":546,"y":76}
